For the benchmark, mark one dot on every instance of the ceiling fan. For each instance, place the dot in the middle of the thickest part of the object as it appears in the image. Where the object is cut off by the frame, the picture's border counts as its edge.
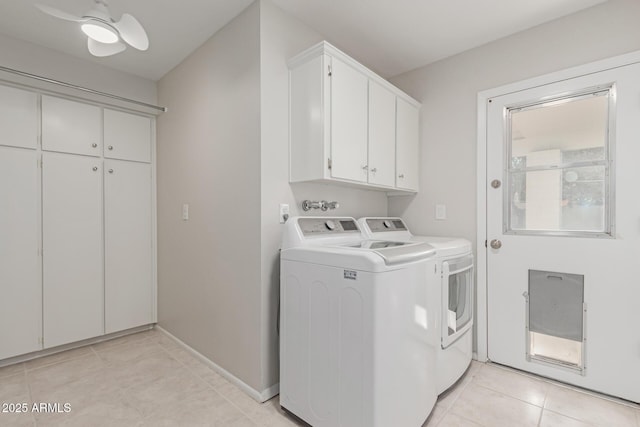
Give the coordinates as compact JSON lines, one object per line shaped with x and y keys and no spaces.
{"x":105,"y":35}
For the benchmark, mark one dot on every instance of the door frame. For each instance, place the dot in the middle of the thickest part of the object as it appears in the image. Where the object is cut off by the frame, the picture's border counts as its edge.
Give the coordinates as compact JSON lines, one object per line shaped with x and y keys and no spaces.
{"x":482,"y":179}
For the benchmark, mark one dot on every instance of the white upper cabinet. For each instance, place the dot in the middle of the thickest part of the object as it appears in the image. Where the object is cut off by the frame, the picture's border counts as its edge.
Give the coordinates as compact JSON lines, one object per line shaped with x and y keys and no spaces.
{"x":348,"y":122}
{"x":343,"y":122}
{"x":18,"y":118}
{"x":71,"y":127}
{"x":382,"y":135}
{"x":407,"y":146}
{"x":127,"y":136}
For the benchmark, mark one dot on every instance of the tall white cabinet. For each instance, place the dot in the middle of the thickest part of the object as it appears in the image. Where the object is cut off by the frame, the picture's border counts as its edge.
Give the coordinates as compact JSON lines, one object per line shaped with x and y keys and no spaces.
{"x":72,"y":248}
{"x":20,"y":287}
{"x":349,"y":125}
{"x":76,"y":221}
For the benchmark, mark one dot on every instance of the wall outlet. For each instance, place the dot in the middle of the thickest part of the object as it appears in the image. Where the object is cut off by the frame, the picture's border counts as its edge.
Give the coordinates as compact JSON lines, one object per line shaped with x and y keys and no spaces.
{"x":185,"y":212}
{"x":284,"y":213}
{"x":441,"y":212}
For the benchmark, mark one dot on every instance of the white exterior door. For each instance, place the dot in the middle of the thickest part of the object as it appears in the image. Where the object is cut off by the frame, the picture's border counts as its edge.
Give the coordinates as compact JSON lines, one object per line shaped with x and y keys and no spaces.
{"x":73,"y":300}
{"x":562,"y":230}
{"x":128,"y":278}
{"x":348,"y":122}
{"x":20,"y":274}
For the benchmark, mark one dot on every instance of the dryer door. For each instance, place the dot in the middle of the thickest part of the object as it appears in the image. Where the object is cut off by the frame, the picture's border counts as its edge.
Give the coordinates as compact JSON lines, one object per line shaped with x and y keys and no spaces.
{"x":457,"y":298}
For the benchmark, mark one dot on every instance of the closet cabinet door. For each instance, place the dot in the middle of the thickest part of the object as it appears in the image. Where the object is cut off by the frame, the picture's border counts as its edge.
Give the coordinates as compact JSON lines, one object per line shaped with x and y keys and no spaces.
{"x":348,"y":122}
{"x":128,"y":255}
{"x":73,"y":302}
{"x":382,"y":135}
{"x":20,"y":278}
{"x":71,"y":127}
{"x":407,"y":145}
{"x":18,"y":118}
{"x":127,"y":136}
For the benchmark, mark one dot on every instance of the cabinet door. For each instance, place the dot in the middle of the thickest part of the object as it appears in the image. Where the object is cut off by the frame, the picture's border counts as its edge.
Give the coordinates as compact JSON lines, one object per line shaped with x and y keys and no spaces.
{"x":407,"y":143}
{"x":128,"y":255}
{"x":348,"y":122}
{"x":382,"y":135}
{"x":20,"y":286}
{"x":127,"y":136}
{"x":71,"y":127}
{"x":73,"y":288}
{"x":18,"y":118}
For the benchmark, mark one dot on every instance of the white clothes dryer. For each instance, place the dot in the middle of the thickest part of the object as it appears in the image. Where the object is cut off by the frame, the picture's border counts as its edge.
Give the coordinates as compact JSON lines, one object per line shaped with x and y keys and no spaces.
{"x":455,"y":266}
{"x":358,"y":337}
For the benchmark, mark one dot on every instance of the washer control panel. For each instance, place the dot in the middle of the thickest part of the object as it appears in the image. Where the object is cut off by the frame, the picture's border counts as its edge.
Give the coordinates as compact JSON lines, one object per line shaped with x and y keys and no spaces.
{"x":327,"y":226}
{"x":386,"y":224}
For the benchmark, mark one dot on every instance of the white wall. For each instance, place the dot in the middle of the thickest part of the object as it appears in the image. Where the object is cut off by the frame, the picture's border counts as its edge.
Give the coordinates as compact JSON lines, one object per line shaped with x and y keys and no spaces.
{"x":448,"y":90}
{"x":34,"y":59}
{"x":282,"y":37}
{"x":208,"y":145}
{"x":223,"y":148}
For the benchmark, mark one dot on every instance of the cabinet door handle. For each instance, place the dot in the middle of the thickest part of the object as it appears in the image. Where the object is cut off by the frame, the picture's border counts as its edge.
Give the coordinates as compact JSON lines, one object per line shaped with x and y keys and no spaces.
{"x":110,"y":147}
{"x":110,"y":170}
{"x":401,"y":176}
{"x":94,"y":145}
{"x":95,"y":168}
{"x":374,"y":170}
{"x":365,"y":167}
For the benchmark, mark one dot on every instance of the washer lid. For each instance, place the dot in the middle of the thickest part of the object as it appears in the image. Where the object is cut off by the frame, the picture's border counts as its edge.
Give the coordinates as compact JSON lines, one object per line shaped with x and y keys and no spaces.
{"x":396,"y":252}
{"x":368,"y":255}
{"x":446,"y":246}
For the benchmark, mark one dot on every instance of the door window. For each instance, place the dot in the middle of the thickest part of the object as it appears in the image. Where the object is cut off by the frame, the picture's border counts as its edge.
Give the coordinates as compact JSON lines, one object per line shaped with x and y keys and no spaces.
{"x":559,"y":169}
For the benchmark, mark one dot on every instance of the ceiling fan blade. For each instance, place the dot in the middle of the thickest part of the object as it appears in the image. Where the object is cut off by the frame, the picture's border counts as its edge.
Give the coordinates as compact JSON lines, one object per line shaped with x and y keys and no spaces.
{"x":104,"y":49}
{"x":132,"y":32}
{"x":57,"y":13}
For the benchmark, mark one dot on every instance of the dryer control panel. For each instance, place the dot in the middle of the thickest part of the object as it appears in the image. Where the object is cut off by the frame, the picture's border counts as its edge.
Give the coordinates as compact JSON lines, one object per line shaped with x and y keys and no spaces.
{"x":385,"y":224}
{"x":327,"y":226}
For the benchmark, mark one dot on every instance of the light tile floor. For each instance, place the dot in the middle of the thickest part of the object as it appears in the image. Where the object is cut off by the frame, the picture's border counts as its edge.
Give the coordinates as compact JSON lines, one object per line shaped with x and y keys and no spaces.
{"x":146,"y":379}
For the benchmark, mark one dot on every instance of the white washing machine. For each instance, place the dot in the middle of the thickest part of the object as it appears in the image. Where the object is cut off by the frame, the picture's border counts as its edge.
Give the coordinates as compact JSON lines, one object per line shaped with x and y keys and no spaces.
{"x":455,"y":267}
{"x":358,"y":337}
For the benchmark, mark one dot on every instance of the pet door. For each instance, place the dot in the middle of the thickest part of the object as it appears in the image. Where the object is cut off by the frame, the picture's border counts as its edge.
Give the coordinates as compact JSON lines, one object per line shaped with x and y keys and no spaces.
{"x":556,"y":319}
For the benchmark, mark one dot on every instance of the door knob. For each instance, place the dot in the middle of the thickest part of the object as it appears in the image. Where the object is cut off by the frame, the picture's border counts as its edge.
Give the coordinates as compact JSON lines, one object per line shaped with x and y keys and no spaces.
{"x":496,"y":183}
{"x":110,"y":147}
{"x":94,"y":145}
{"x":496,"y":244}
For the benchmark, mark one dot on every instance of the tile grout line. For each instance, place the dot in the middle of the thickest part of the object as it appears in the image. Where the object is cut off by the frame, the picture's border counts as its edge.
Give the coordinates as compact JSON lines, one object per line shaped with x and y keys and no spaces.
{"x":571,"y":418}
{"x":213,"y":389}
{"x":561,"y":384}
{"x":509,"y":396}
{"x":31,"y":401}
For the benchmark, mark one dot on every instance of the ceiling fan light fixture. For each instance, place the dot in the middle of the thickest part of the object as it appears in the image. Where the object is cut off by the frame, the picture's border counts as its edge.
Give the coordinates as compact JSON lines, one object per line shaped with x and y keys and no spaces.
{"x":100,"y":32}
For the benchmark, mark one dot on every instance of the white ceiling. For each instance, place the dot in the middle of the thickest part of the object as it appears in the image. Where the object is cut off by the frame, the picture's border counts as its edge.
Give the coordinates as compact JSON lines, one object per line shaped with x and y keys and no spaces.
{"x":388,"y":36}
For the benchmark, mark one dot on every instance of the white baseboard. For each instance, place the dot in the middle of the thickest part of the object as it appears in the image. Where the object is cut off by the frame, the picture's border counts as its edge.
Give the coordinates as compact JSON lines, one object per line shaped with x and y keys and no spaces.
{"x":259,"y":396}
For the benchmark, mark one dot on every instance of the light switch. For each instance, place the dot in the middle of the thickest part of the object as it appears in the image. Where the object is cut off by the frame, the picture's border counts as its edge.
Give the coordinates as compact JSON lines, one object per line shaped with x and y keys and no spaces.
{"x":185,"y":212}
{"x":284,"y":213}
{"x":441,"y":212}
